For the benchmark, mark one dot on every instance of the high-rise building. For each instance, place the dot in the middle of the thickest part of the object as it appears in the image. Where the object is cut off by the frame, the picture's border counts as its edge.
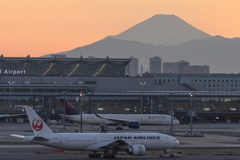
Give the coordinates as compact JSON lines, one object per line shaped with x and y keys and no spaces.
{"x":155,"y":64}
{"x":196,"y":69}
{"x":174,"y":67}
{"x":132,"y":67}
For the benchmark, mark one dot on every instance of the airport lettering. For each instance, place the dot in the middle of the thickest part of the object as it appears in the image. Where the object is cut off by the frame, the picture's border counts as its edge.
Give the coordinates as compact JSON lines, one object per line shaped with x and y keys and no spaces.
{"x":136,"y":137}
{"x":13,"y":72}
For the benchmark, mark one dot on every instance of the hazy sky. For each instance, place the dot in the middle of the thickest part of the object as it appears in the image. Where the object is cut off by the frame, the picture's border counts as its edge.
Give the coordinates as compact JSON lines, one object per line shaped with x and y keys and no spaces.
{"x":39,"y":27}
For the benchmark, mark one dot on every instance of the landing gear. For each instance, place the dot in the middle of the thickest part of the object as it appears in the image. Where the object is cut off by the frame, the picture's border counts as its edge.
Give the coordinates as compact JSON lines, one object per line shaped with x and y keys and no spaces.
{"x":119,"y":127}
{"x":165,"y":153}
{"x":94,"y":155}
{"x":109,"y":156}
{"x":103,"y":128}
{"x":178,"y":154}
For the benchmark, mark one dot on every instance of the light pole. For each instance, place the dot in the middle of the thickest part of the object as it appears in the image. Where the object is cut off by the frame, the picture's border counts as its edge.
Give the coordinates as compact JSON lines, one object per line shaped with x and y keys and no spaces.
{"x":191,"y":112}
{"x":81,"y":95}
{"x":171,"y":112}
{"x":142,"y":84}
{"x":64,"y":93}
{"x":10,"y":99}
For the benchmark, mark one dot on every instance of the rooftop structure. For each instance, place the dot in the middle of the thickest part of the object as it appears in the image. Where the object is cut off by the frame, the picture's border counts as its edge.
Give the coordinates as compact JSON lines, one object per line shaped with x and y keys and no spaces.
{"x":71,"y":67}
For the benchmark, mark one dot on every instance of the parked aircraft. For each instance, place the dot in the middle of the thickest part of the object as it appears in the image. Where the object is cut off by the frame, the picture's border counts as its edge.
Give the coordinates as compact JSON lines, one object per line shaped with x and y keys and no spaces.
{"x":119,"y":120}
{"x":109,"y":143}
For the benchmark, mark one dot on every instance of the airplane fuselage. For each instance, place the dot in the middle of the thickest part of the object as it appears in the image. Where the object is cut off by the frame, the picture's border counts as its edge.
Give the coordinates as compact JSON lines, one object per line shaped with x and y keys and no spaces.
{"x":158,"y":119}
{"x":94,"y":141}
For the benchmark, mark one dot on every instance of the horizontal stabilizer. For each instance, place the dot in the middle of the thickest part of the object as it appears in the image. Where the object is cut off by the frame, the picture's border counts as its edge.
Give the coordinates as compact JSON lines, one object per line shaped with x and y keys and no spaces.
{"x":15,"y":135}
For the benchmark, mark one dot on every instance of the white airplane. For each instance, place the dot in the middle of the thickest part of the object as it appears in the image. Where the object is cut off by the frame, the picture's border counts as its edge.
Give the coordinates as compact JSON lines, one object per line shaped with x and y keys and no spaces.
{"x":119,"y":120}
{"x":109,"y":143}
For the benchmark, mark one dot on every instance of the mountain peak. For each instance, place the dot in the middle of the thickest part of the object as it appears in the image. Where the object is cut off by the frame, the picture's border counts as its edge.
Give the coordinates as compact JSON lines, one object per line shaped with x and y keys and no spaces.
{"x":162,"y":29}
{"x":163,"y":15}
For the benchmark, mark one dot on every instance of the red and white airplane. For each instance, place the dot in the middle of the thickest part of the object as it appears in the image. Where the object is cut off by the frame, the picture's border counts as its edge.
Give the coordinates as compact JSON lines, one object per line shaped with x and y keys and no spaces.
{"x":109,"y":143}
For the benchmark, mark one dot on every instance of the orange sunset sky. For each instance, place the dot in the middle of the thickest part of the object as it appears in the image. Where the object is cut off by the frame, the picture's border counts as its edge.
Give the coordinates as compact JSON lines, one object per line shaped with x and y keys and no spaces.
{"x":39,"y":27}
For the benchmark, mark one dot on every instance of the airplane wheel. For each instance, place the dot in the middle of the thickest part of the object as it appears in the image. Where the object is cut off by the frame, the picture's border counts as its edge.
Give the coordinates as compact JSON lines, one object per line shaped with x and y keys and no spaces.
{"x":112,"y":156}
{"x":109,"y":156}
{"x":94,"y":155}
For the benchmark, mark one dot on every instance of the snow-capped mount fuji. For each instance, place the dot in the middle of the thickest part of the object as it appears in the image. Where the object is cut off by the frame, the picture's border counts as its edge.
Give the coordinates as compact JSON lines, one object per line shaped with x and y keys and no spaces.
{"x":162,"y":29}
{"x":221,"y":54}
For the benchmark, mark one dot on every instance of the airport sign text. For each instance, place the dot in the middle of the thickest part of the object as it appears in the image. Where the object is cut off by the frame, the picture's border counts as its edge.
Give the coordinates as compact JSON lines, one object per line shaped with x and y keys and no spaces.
{"x":13,"y":72}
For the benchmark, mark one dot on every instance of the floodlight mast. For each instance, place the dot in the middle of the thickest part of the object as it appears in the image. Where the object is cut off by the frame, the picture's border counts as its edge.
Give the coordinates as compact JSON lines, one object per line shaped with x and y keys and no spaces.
{"x":191,"y":95}
{"x":10,"y":99}
{"x":142,"y":84}
{"x":81,"y":95}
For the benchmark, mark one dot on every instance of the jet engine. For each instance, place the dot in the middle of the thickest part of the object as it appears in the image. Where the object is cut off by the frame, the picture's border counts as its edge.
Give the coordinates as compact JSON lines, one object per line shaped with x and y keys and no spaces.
{"x":134,"y":125}
{"x":136,"y":150}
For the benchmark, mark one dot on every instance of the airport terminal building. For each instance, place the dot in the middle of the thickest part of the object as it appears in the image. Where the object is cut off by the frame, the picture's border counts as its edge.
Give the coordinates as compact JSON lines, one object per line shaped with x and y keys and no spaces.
{"x":40,"y":82}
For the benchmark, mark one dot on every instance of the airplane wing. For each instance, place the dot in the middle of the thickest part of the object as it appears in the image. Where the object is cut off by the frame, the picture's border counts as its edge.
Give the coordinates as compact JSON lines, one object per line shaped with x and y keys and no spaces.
{"x":116,"y":144}
{"x":12,"y":115}
{"x":115,"y":120}
{"x":112,"y":145}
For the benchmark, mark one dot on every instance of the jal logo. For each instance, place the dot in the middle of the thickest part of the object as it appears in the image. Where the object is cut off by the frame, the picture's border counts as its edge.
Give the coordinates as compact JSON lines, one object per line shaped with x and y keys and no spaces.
{"x":37,"y":124}
{"x":149,"y":117}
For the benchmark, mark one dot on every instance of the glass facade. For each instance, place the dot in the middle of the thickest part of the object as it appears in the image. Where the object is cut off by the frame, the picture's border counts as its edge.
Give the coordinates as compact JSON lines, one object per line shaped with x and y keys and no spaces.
{"x":70,"y":67}
{"x":208,"y":108}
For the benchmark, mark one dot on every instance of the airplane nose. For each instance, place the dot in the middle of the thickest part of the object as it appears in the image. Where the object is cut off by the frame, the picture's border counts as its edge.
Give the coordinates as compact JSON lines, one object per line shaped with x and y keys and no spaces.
{"x":178,"y":122}
{"x":177,"y":143}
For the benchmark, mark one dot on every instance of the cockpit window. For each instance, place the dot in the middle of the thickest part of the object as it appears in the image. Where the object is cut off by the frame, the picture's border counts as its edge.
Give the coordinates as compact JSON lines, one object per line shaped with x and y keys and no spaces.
{"x":174,"y":118}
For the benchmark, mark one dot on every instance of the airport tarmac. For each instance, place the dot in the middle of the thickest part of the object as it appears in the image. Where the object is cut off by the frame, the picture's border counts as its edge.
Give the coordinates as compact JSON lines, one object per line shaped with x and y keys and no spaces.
{"x":220,"y":141}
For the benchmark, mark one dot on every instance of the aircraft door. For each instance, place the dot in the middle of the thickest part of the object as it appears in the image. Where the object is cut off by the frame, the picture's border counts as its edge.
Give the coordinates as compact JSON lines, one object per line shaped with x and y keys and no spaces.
{"x":58,"y":140}
{"x":167,"y":140}
{"x":145,"y":118}
{"x":61,"y":140}
{"x":94,"y":140}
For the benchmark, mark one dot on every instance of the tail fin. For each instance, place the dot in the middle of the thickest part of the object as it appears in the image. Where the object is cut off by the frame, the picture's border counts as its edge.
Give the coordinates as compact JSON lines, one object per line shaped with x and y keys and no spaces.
{"x":37,"y":124}
{"x":69,"y":110}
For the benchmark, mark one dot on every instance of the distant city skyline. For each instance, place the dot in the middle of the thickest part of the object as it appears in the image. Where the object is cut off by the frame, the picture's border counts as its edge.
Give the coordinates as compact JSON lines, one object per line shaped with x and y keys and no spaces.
{"x":37,"y":28}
